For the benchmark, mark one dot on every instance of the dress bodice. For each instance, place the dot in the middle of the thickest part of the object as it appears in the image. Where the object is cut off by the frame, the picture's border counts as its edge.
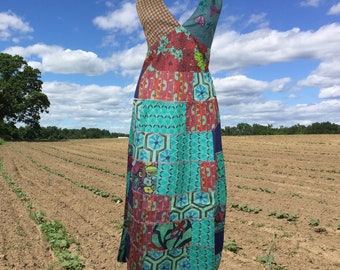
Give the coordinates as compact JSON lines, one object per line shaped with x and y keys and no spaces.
{"x":157,"y":20}
{"x":176,"y":46}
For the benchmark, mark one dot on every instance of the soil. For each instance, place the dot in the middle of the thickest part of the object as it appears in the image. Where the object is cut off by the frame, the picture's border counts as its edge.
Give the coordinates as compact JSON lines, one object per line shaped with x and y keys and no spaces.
{"x":278,"y":187}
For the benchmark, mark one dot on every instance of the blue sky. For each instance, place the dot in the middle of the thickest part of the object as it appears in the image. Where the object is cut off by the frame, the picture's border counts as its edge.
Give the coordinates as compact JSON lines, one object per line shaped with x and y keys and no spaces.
{"x":273,"y":62}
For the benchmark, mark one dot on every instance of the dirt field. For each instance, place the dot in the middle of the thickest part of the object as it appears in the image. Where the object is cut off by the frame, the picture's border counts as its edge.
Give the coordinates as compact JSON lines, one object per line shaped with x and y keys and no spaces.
{"x":283,"y":201}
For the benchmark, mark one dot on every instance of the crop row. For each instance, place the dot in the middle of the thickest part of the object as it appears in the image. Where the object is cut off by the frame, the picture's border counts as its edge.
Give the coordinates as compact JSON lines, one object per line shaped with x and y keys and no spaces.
{"x":104,"y":170}
{"x":54,"y":231}
{"x":77,"y":183}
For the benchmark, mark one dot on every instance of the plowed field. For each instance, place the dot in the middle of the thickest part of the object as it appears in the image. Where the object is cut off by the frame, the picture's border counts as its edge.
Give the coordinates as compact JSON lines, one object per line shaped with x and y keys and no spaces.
{"x":283,"y":201}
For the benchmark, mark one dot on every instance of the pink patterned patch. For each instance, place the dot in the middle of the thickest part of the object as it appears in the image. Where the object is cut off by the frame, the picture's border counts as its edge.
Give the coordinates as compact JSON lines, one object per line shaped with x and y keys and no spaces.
{"x":166,"y":85}
{"x":202,"y":116}
{"x":208,"y":176}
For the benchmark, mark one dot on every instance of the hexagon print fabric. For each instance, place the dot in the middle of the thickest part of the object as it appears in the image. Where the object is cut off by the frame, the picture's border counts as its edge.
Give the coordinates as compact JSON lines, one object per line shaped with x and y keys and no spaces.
{"x":176,"y":181}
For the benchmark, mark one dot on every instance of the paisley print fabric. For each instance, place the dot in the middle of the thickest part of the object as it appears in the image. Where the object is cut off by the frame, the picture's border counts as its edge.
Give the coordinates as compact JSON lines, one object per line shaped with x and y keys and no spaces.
{"x":176,"y":180}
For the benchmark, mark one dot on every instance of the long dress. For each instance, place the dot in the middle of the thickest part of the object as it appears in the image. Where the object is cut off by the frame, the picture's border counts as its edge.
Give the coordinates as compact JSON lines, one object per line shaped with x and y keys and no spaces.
{"x":176,"y":183}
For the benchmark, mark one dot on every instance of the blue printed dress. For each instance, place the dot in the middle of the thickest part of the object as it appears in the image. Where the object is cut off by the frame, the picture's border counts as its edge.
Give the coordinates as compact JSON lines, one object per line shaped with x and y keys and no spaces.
{"x":176,"y":184}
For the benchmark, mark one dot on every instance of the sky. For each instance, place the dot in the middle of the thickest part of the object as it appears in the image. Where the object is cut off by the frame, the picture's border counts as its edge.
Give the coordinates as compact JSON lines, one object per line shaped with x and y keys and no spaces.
{"x":274,"y":62}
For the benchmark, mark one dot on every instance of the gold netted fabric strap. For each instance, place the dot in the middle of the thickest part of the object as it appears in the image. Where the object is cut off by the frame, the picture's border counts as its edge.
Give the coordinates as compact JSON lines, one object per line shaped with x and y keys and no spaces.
{"x":156,"y":19}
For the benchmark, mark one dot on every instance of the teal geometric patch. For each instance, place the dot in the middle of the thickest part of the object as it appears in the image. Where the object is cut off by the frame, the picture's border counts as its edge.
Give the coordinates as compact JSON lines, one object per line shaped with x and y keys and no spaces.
{"x":172,"y":178}
{"x":194,"y":206}
{"x":203,"y":232}
{"x":192,"y":146}
{"x":160,"y":116}
{"x":202,"y":257}
{"x":203,"y":86}
{"x":166,"y":260}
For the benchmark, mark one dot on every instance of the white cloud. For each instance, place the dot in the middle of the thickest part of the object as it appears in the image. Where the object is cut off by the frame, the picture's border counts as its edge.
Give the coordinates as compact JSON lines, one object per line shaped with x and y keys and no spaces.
{"x":232,"y":50}
{"x":240,"y":89}
{"x":325,"y":76}
{"x":124,"y":19}
{"x":330,"y":92}
{"x":56,"y":59}
{"x":310,"y":3}
{"x":279,"y":113}
{"x":334,"y":10}
{"x":11,"y":26}
{"x":75,"y":106}
{"x":130,"y":60}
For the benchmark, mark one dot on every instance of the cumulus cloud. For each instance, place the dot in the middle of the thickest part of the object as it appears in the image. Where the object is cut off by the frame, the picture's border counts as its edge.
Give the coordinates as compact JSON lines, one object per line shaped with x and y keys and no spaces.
{"x":330,"y":92}
{"x":124,"y":19}
{"x":334,"y":10}
{"x":63,"y":61}
{"x":278,"y":113}
{"x":326,"y":76}
{"x":130,"y":60}
{"x":232,"y":50}
{"x":87,"y":105}
{"x":12,"y":26}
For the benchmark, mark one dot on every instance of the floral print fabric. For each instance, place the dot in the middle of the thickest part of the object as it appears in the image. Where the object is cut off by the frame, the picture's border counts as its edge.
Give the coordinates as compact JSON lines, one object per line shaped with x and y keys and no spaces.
{"x":176,"y":181}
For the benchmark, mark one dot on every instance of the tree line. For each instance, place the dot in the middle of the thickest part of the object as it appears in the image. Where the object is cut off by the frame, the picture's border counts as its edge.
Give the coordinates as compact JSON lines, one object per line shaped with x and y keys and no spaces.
{"x":257,"y":129}
{"x":53,"y":133}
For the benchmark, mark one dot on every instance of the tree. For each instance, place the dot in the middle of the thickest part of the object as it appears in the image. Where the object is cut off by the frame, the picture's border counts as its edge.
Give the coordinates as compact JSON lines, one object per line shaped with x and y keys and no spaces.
{"x":21,"y":97}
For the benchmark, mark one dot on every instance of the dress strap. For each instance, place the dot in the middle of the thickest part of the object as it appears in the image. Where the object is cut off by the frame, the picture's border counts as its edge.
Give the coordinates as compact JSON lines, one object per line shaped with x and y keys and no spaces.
{"x":156,"y":20}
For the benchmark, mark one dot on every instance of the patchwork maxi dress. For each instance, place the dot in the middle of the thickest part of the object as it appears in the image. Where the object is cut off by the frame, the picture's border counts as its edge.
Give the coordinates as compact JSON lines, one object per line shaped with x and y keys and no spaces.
{"x":176,"y":184}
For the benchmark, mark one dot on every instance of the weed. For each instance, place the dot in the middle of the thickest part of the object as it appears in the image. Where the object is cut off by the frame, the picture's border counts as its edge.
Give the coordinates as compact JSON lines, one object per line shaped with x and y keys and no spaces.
{"x":246,"y":208}
{"x":268,"y":260}
{"x":116,"y":199}
{"x":296,"y":195}
{"x":314,"y":222}
{"x":281,"y":215}
{"x":232,"y":246}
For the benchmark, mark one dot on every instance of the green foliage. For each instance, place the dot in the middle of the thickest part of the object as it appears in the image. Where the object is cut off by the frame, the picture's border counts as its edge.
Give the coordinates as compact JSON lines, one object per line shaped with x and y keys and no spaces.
{"x":59,"y":242}
{"x":246,"y":208}
{"x":21,"y":97}
{"x":314,"y":222}
{"x":232,"y":246}
{"x":281,"y":215}
{"x":54,"y":232}
{"x":116,"y":199}
{"x":257,"y":129}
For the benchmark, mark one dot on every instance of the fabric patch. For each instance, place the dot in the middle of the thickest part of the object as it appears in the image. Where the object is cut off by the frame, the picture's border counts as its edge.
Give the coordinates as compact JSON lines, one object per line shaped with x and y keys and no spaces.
{"x":192,"y":146}
{"x":202,"y":257}
{"x":159,"y":116}
{"x":202,"y":116}
{"x":150,"y":15}
{"x":166,"y":86}
{"x":144,"y":176}
{"x":167,"y":260}
{"x":193,"y":206}
{"x":217,"y":138}
{"x":208,"y":176}
{"x":151,"y":208}
{"x":172,"y":178}
{"x":171,"y":236}
{"x":203,"y":87}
